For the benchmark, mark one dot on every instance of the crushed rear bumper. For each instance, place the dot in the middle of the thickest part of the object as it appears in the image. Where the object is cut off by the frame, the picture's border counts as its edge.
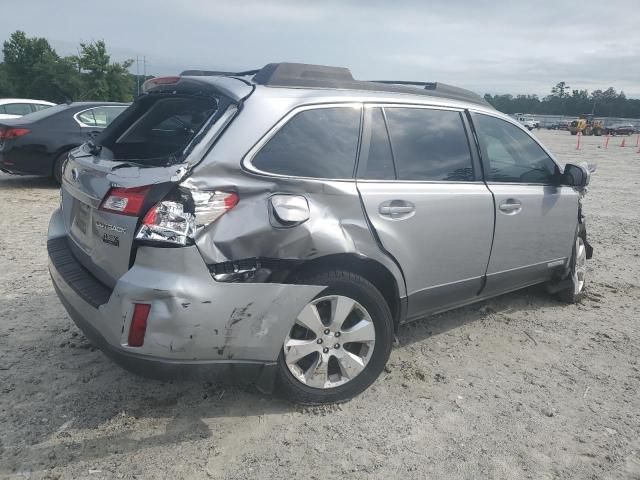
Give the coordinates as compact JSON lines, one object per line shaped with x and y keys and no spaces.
{"x":197,"y":327}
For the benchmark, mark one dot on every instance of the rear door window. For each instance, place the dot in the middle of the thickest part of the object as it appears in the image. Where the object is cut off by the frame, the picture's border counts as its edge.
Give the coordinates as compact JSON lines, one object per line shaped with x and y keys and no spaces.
{"x":429,"y":144}
{"x":317,"y":143}
{"x":511,"y":155}
{"x":39,"y":106}
{"x":17,"y":109}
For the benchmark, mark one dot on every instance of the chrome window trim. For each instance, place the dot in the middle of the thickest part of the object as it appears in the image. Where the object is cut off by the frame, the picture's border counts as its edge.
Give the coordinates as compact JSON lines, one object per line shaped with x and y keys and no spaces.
{"x":247,"y":160}
{"x":84,"y":125}
{"x":412,"y":105}
{"x":422,"y":182}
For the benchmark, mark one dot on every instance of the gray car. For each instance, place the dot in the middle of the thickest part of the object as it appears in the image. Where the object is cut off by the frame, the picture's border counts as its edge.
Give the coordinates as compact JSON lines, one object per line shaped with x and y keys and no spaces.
{"x":277,"y":226}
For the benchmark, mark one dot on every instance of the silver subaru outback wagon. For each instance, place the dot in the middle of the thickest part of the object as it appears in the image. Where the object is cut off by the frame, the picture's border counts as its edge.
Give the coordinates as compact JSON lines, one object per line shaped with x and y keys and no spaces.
{"x":276,"y":226}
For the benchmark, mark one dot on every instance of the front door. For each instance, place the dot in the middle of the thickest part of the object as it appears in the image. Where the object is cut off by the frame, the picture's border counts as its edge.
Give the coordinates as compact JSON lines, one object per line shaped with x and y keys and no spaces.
{"x":422,"y":192}
{"x":536,"y":218}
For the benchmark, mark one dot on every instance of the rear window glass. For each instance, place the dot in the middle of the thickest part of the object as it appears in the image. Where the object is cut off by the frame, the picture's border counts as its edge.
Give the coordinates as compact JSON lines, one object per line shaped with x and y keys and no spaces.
{"x":100,"y":116}
{"x":159,"y":127}
{"x":17,"y":109}
{"x":47,"y":112}
{"x":318,"y":143}
{"x":429,"y":144}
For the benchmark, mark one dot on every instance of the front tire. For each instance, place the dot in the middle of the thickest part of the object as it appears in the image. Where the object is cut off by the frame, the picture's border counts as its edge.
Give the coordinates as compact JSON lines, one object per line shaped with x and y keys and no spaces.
{"x":574,"y":293}
{"x":339,"y":343}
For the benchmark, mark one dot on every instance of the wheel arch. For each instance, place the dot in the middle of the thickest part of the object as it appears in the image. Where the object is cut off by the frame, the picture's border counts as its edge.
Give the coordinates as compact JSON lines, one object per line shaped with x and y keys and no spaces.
{"x":374,"y":271}
{"x":60,"y":151}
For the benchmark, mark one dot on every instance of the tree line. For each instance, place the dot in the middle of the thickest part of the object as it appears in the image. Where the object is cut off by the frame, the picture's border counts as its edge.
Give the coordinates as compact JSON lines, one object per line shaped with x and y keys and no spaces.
{"x":31,"y":68}
{"x":564,"y":101}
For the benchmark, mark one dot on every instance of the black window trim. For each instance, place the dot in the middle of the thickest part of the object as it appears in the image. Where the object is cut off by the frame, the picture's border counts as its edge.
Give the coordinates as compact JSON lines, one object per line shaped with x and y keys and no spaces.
{"x":485,"y":166}
{"x":247,"y":161}
{"x":365,"y":144}
{"x":478,"y":172}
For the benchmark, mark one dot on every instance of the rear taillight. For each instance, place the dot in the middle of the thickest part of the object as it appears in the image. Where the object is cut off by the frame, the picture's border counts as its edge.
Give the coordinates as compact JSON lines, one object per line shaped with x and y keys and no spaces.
{"x":9,"y":133}
{"x":176,"y":219}
{"x":126,"y":201}
{"x":210,"y":206}
{"x":138,"y":326}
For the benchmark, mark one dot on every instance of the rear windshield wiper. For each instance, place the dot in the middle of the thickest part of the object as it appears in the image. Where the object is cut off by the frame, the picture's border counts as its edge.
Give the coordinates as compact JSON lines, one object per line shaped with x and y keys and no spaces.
{"x":93,"y":148}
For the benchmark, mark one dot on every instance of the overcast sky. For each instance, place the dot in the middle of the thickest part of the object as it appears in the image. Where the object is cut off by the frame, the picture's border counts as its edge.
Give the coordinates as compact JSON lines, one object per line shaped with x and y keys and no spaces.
{"x":487,"y":46}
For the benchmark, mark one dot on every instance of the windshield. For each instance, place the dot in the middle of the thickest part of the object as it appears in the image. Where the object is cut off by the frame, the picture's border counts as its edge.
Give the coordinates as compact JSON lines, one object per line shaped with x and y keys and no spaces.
{"x":157,"y":129}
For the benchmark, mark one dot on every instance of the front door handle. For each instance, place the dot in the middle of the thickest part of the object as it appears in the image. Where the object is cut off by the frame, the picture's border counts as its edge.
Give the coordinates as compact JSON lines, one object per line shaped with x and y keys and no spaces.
{"x":397,"y":209}
{"x":511,"y":206}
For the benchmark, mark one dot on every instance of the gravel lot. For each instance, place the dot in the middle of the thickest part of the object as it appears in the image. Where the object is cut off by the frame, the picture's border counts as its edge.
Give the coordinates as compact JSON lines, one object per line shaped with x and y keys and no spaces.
{"x":517,"y":387}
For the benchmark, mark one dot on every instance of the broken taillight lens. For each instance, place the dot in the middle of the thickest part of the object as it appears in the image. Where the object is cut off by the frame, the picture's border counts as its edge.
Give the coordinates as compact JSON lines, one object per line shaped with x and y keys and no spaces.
{"x":176,"y":219}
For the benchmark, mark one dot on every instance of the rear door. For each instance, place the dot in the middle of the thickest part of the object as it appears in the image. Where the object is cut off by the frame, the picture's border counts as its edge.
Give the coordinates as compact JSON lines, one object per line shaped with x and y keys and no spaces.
{"x":422,"y":190}
{"x":535,"y":217}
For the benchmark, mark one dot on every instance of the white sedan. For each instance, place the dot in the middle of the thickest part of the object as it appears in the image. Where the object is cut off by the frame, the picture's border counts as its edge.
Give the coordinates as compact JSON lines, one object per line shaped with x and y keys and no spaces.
{"x":17,"y":107}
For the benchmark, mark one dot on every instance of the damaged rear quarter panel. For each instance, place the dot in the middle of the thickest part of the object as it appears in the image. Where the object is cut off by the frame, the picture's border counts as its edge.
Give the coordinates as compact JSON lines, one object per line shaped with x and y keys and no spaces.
{"x":193,"y":317}
{"x":336,"y":225}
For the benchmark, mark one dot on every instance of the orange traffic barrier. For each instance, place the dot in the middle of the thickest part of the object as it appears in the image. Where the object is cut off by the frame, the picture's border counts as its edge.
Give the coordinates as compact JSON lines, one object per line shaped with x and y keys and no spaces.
{"x":622,"y":143}
{"x":578,"y":145}
{"x":606,"y":142}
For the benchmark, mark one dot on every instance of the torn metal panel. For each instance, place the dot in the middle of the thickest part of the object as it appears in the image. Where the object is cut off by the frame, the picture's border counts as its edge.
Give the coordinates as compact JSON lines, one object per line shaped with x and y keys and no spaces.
{"x":336,"y":222}
{"x":193,"y":317}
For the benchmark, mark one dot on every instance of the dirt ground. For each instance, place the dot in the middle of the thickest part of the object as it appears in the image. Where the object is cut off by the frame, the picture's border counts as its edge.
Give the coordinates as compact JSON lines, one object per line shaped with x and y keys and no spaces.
{"x":517,"y":387}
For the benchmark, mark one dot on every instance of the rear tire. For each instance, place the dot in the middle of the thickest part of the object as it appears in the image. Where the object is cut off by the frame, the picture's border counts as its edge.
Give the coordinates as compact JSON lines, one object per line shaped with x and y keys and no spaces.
{"x":57,"y":166}
{"x":294,"y":376}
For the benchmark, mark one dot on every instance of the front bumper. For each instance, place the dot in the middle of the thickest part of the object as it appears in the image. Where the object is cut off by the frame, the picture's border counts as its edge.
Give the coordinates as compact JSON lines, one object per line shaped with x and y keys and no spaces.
{"x":197,"y":327}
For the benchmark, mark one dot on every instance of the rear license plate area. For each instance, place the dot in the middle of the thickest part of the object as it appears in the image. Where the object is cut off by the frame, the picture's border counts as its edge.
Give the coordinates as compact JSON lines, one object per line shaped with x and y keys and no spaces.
{"x":81,"y":215}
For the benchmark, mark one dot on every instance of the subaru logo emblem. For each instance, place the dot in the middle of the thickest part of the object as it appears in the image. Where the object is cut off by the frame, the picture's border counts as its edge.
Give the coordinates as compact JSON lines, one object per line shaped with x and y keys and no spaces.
{"x":74,"y":174}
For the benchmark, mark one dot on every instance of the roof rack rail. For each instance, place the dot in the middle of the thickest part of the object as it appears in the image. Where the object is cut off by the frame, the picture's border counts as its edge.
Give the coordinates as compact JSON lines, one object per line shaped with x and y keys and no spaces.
{"x":303,"y":75}
{"x":426,"y":85}
{"x":296,"y":74}
{"x":214,"y":73}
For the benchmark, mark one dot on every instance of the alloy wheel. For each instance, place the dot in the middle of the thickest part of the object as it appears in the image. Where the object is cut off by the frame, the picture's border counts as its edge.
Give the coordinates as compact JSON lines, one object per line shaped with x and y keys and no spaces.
{"x":330,"y":343}
{"x":580,"y":266}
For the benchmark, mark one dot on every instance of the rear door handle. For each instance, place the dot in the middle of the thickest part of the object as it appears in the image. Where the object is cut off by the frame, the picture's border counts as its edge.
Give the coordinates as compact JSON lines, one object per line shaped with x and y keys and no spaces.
{"x":511,"y":206}
{"x":397,"y":209}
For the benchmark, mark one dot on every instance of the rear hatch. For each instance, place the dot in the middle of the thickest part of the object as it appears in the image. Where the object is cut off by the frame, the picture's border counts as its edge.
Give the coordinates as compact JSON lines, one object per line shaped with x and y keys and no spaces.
{"x":109,"y":185}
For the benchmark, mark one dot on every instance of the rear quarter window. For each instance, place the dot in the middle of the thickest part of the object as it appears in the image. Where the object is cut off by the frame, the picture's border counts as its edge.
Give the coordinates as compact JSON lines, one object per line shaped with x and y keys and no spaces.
{"x":317,"y":143}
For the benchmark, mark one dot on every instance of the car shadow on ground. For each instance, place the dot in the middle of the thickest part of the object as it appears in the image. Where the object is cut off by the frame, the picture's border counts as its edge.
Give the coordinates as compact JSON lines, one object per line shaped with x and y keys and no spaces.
{"x":8,"y":182}
{"x":97,"y":414}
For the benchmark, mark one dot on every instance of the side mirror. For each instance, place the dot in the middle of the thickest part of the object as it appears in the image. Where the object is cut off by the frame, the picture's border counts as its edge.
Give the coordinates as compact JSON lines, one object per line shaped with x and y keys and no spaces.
{"x":576,"y":175}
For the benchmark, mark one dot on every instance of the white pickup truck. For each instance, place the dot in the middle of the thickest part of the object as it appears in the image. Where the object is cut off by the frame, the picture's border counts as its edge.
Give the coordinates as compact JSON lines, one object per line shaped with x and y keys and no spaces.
{"x":528,"y":122}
